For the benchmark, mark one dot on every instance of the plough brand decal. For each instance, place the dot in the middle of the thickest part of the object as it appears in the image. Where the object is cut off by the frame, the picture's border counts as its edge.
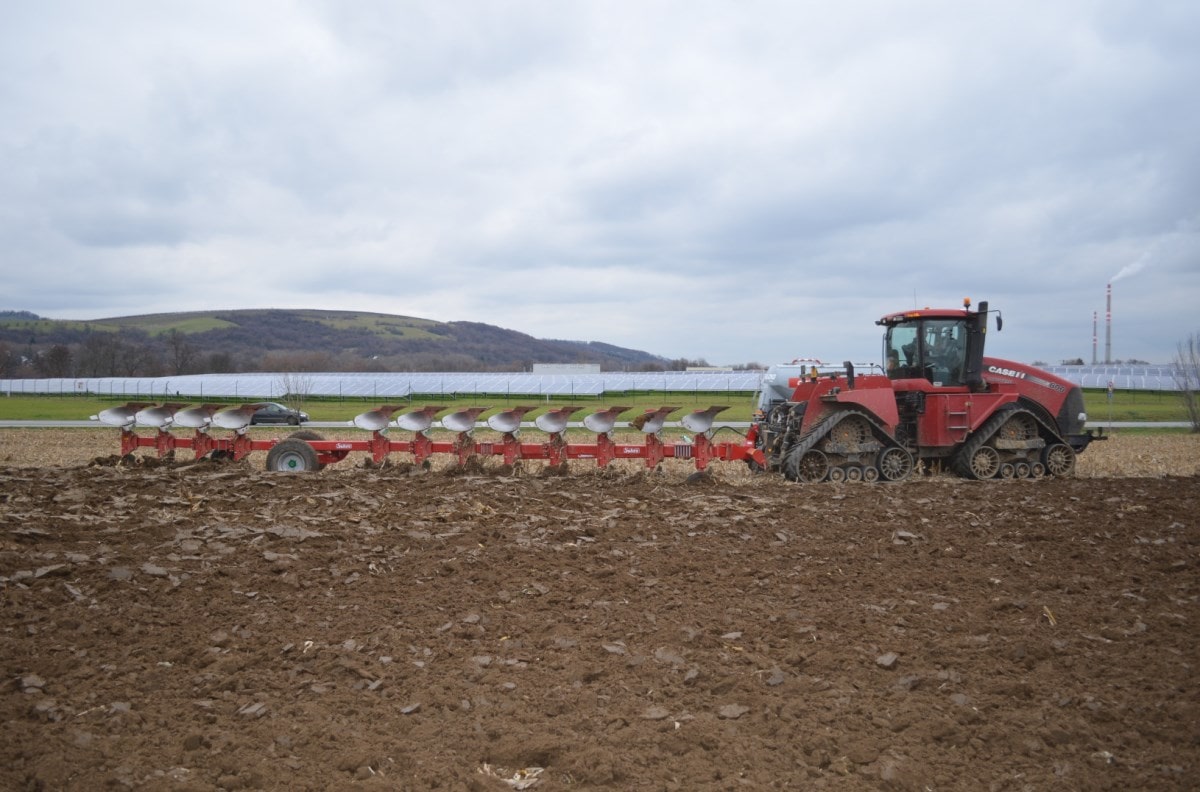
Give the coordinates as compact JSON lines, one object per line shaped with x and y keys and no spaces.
{"x":1007,"y":372}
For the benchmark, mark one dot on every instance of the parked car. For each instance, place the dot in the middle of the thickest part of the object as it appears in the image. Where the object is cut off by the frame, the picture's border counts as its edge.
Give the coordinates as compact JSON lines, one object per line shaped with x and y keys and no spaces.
{"x":276,"y":413}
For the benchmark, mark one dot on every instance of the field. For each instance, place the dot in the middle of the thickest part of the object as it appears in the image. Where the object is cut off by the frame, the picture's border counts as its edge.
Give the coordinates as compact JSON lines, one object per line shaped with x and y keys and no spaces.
{"x":381,"y":324}
{"x":161,"y":324}
{"x":204,"y":626}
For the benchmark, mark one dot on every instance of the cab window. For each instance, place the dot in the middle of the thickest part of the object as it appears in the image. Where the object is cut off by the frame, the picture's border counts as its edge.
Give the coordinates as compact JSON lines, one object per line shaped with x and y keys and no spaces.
{"x":934,"y":349}
{"x":903,"y":356}
{"x":945,"y":351}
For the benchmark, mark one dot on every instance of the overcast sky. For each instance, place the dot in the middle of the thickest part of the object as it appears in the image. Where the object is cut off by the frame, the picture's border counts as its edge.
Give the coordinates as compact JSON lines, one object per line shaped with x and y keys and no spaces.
{"x":730,"y":180}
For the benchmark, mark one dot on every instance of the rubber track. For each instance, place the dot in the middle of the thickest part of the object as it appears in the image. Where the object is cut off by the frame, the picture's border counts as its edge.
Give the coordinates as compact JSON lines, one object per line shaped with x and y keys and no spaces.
{"x":961,"y":460}
{"x":817,"y":433}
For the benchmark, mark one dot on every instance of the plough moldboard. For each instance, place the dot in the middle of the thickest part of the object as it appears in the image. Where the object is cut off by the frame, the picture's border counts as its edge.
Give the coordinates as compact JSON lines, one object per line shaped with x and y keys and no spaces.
{"x":307,"y":451}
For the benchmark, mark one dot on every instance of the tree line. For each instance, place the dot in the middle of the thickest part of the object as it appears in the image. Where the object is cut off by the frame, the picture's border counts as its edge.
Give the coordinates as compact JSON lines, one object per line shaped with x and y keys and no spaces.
{"x":290,"y":341}
{"x":126,"y":352}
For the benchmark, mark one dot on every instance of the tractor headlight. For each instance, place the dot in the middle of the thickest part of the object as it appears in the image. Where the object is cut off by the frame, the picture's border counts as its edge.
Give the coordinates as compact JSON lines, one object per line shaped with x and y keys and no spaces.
{"x":1082,"y":417}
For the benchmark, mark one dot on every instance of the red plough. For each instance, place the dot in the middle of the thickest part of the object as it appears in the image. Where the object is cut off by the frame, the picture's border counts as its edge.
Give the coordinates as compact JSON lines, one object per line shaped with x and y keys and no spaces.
{"x":307,"y":451}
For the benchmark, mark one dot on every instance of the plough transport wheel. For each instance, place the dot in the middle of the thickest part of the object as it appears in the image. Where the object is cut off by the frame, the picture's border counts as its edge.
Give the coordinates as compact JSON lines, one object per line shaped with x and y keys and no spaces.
{"x":292,"y":456}
{"x":308,"y":434}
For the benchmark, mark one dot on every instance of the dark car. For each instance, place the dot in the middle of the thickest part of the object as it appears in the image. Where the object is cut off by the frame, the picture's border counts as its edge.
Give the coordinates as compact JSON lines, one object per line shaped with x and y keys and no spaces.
{"x":275,"y":413}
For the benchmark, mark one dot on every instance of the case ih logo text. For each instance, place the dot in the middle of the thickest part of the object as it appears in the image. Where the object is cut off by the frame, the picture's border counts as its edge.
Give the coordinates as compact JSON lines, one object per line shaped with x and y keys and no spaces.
{"x":1022,"y":375}
{"x":1006,"y":372}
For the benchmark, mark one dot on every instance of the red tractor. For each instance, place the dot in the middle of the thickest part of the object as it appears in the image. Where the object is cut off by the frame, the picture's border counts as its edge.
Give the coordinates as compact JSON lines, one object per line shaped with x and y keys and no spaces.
{"x":938,"y":401}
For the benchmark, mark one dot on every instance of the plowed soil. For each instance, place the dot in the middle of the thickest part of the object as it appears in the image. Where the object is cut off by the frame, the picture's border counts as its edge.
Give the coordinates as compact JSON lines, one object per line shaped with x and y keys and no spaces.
{"x":213,"y":626}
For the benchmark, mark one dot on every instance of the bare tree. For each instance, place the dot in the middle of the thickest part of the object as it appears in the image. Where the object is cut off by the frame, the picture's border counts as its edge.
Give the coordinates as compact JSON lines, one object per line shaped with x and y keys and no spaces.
{"x":135,"y":359}
{"x":296,"y":387}
{"x":219,"y":363}
{"x":10,"y":361}
{"x":181,"y":353}
{"x":98,"y":355}
{"x":55,"y":362}
{"x":1187,"y":377}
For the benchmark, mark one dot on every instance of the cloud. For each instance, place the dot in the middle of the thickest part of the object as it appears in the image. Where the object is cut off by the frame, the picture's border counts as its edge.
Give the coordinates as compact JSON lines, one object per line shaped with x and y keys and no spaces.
{"x":694,"y":179}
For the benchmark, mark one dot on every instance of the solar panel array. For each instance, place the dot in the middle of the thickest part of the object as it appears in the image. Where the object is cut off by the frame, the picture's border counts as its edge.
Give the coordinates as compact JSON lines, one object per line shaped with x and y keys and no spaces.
{"x":376,"y":386}
{"x":384,"y":386}
{"x":1149,"y":378}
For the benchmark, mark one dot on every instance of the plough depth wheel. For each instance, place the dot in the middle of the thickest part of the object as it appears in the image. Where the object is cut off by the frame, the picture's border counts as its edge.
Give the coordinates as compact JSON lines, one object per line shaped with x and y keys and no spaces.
{"x":292,"y":456}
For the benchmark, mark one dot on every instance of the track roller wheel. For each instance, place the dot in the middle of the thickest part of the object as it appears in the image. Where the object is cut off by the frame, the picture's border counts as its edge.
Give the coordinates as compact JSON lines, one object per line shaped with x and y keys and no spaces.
{"x":1059,"y":459}
{"x":1007,"y":470}
{"x":854,"y":474}
{"x":852,"y":430}
{"x":837,"y":474}
{"x":895,"y":464}
{"x":984,"y":463}
{"x":1037,"y":470}
{"x":1020,"y":426}
{"x":1022,"y":470}
{"x":809,"y":468}
{"x":870,"y":474}
{"x":292,"y":456}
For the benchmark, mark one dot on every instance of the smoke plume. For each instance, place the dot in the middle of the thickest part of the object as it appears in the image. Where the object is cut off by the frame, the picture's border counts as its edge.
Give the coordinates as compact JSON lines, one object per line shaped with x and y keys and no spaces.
{"x":1132,"y":268}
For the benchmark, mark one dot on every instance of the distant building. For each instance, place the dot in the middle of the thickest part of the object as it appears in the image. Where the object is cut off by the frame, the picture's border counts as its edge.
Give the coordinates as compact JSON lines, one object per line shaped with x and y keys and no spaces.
{"x":566,"y":368}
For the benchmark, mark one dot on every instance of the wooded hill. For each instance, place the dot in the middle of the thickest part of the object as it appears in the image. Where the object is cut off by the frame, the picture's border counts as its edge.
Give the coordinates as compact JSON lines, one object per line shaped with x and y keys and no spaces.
{"x":285,"y":340}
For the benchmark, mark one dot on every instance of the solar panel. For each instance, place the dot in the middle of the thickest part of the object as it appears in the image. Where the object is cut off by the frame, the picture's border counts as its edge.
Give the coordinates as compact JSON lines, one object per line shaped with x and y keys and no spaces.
{"x":1148,"y":378}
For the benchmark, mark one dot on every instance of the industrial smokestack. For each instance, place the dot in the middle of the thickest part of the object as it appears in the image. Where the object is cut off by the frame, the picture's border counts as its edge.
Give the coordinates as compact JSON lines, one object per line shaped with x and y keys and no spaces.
{"x":1095,"y":325}
{"x":1108,"y":328}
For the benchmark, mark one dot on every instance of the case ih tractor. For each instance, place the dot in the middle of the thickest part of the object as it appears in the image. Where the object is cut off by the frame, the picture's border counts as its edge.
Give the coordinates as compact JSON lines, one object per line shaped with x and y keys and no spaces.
{"x":940,"y":402}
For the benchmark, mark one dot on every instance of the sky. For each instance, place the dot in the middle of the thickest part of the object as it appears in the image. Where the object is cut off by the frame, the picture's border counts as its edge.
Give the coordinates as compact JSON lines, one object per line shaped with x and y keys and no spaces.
{"x":734,"y":181}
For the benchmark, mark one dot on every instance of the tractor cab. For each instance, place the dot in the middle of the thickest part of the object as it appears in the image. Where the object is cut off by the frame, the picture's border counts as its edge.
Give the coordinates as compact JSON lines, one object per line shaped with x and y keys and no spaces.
{"x":943,"y":347}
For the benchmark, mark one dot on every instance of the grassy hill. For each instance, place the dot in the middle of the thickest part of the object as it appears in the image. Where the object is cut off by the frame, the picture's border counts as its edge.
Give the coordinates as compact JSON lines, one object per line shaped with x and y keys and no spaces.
{"x":284,"y":339}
